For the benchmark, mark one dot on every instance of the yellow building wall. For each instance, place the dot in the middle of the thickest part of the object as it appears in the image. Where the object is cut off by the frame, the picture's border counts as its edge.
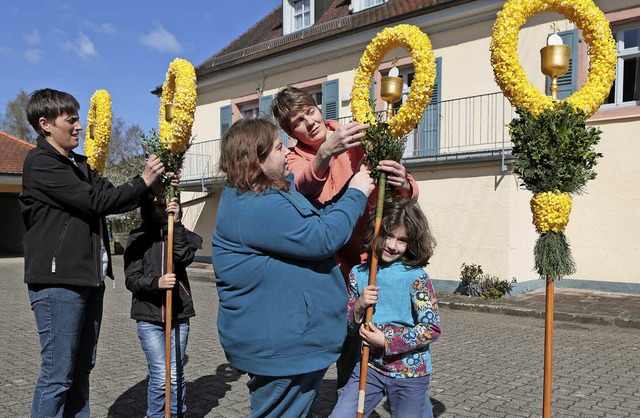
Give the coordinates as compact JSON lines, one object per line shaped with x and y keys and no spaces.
{"x":479,"y":214}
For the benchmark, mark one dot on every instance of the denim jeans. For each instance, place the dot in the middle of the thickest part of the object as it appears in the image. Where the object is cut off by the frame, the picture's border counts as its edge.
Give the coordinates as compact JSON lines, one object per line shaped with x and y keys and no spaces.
{"x":68,"y":321}
{"x":407,"y":398}
{"x":152,"y":338}
{"x":283,"y":396}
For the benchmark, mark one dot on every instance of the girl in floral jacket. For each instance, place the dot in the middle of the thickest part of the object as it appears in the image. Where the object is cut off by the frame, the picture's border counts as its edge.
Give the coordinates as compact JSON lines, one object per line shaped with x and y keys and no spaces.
{"x":405,"y":319}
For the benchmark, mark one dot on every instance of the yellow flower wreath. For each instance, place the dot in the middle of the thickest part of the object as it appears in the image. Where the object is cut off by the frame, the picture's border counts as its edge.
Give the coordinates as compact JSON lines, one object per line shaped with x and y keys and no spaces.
{"x":179,"y":89}
{"x":512,"y":78}
{"x":417,"y":43}
{"x":96,"y":147}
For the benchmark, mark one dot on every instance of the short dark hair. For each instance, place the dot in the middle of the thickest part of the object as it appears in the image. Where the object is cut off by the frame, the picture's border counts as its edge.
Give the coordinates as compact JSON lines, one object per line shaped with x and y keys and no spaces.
{"x":288,"y":102}
{"x":50,"y":104}
{"x":406,"y":212}
{"x":244,"y":146}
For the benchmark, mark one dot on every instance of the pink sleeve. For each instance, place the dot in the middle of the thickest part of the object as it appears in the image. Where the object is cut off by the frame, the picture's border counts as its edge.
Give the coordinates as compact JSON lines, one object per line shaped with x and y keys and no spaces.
{"x":305,"y":180}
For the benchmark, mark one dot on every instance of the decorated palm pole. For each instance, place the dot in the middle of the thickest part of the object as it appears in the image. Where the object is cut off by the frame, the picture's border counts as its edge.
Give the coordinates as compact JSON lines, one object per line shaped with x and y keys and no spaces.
{"x":384,"y":140}
{"x":554,"y":147}
{"x":98,"y":134}
{"x":176,"y":115}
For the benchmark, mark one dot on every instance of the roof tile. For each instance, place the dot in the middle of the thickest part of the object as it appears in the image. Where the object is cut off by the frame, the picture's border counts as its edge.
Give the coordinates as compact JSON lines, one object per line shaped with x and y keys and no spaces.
{"x":13,"y":150}
{"x":244,"y":48}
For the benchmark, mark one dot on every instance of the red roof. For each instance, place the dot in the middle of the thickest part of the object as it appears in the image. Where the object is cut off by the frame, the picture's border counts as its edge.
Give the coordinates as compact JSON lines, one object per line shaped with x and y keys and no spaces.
{"x":265,"y":38}
{"x":14,"y":151}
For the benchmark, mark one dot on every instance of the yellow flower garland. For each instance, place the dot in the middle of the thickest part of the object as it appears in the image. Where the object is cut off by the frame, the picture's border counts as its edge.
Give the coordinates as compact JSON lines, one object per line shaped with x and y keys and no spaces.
{"x":96,"y":148}
{"x":417,"y":43}
{"x":550,"y":211}
{"x":179,"y":89}
{"x":512,"y":78}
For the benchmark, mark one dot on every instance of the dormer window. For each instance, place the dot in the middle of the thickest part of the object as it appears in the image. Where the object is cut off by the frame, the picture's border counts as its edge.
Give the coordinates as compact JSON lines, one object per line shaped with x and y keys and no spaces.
{"x":360,"y":5}
{"x":297,"y":15}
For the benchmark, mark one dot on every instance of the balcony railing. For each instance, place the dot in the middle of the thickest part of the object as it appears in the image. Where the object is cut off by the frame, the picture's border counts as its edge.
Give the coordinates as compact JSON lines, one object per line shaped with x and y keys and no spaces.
{"x":451,"y":130}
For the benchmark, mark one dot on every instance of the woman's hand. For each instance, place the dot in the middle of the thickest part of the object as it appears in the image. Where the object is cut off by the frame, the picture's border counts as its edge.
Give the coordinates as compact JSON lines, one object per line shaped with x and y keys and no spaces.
{"x":396,"y":174}
{"x":344,"y":138}
{"x":153,"y":169}
{"x":372,"y":337}
{"x":362,"y":181}
{"x":167,"y":281}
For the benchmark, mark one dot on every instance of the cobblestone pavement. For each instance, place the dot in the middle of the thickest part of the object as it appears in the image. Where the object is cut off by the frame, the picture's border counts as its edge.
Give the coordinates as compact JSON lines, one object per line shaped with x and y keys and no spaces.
{"x":485,"y":364}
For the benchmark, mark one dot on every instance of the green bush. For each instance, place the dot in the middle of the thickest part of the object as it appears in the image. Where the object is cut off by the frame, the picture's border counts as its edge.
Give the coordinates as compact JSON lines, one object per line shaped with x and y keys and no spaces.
{"x":475,"y":283}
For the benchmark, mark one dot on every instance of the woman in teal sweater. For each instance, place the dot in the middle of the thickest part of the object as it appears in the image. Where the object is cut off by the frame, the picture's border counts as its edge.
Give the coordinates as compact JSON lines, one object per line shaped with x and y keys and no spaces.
{"x":282,"y":310}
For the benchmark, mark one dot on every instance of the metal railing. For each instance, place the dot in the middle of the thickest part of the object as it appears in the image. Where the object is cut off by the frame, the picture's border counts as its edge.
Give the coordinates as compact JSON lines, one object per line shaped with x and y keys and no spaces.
{"x":460,"y":127}
{"x":456,"y":129}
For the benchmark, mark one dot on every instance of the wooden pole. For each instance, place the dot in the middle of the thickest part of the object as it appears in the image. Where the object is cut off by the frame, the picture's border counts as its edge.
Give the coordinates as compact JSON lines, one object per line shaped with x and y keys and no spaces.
{"x":548,"y":349}
{"x":373,"y":270}
{"x":168,"y":314}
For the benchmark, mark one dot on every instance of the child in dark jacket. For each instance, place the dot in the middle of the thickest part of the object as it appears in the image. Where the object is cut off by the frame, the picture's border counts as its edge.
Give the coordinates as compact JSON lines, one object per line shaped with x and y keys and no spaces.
{"x":145,"y":264}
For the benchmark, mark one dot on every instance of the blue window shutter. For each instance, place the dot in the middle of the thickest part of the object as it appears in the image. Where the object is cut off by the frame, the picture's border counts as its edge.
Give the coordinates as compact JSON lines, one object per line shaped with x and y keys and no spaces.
{"x":429,"y":126}
{"x":567,"y":82}
{"x":264,"y":106}
{"x":330,"y":100}
{"x":225,"y":119}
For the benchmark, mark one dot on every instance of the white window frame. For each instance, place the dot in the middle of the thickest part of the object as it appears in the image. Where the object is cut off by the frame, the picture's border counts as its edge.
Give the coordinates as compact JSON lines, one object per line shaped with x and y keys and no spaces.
{"x":622,"y":54}
{"x":360,"y":5}
{"x":289,"y":15}
{"x":252,"y":107}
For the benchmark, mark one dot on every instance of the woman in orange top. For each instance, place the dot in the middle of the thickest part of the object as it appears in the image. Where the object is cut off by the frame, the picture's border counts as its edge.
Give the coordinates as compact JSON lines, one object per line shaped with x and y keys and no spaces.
{"x":323,"y":160}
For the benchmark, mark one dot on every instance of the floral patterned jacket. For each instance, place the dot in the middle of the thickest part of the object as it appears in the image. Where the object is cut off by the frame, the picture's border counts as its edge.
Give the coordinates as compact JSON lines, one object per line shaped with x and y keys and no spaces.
{"x":407,"y":313}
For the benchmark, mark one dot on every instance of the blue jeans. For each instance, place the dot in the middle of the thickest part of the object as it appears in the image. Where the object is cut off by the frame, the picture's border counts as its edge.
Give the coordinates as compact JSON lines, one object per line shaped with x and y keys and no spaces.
{"x":407,"y":398}
{"x":152,"y":338}
{"x":68,"y":321}
{"x":285,"y":396}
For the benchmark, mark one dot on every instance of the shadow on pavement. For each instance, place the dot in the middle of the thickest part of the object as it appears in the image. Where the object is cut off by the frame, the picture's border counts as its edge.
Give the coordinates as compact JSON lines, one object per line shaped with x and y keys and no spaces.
{"x":203,"y":395}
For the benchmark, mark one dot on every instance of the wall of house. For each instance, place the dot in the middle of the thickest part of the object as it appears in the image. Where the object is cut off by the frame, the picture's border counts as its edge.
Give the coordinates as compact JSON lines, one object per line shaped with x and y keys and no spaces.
{"x":478,"y":213}
{"x":604,"y":228}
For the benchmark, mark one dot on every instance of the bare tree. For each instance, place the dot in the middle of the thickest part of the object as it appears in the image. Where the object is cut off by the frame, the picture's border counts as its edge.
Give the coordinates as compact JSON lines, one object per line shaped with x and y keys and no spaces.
{"x":125,"y":161}
{"x":14,"y":120}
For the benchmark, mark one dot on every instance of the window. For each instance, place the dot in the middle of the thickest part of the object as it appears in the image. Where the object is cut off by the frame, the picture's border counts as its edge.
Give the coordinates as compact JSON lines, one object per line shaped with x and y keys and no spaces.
{"x":317,"y":96}
{"x":301,"y":14}
{"x":297,"y":15}
{"x":249,"y":110}
{"x":626,"y":87}
{"x":360,"y":5}
{"x":424,"y":140}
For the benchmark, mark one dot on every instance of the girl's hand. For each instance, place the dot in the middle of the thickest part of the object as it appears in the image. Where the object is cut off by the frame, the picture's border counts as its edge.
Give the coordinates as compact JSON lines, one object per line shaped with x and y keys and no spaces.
{"x":167,"y":281}
{"x":369,"y":297}
{"x":396,"y":174}
{"x":175,"y":178}
{"x":372,"y":337}
{"x":174,"y":207}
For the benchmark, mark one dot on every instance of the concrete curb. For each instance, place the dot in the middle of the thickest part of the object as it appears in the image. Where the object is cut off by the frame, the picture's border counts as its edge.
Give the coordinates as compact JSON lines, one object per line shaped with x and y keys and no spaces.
{"x":534,"y":313}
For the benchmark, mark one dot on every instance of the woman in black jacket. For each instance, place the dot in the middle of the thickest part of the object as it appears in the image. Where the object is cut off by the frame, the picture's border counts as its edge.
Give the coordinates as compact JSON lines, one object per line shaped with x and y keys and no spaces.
{"x":63,"y":204}
{"x":145,"y":263}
